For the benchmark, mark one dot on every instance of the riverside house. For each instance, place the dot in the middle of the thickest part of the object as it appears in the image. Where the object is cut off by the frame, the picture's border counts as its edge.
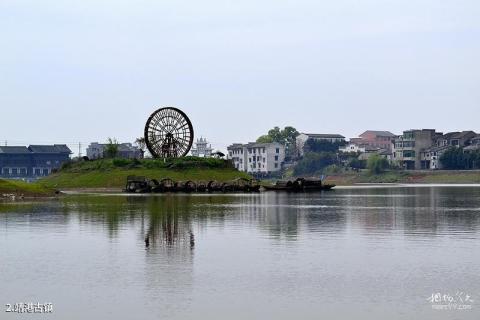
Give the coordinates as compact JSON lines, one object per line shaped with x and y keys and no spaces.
{"x":257,"y":158}
{"x":32,"y":161}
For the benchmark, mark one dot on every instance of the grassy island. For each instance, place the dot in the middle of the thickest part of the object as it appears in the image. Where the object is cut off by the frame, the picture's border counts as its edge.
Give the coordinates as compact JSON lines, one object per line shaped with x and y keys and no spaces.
{"x":113,"y":173}
{"x":20,"y":188}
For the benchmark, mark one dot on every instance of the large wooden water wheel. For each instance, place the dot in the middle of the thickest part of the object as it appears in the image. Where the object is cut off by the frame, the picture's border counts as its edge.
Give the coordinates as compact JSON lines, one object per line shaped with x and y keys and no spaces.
{"x":168,"y":133}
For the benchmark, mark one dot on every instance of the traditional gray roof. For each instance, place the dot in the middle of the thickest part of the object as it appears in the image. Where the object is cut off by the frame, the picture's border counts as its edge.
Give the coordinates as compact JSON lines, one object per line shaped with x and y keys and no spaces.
{"x":379,"y":133}
{"x":462,"y":134}
{"x":257,"y":145}
{"x":325,"y":135}
{"x":436,"y":149}
{"x":384,"y":152}
{"x":14,"y":149}
{"x":56,"y":148}
{"x":235,"y":145}
{"x":472,"y":147}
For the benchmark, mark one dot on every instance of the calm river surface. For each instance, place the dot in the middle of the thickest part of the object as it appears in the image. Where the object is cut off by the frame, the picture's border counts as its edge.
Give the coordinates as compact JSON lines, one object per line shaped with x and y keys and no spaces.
{"x":353,"y":253}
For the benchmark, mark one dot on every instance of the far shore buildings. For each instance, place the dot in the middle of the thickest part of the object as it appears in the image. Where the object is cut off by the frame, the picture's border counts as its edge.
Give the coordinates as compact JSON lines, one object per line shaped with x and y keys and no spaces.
{"x":202,"y":148}
{"x":125,"y":150}
{"x":302,"y":138}
{"x":33,"y":161}
{"x":375,"y":139}
{"x":418,"y":149}
{"x":257,"y":158}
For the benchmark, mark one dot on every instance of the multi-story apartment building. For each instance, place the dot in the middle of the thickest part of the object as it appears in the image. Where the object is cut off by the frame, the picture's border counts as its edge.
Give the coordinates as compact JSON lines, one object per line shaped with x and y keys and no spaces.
{"x":236,"y":153}
{"x":408,"y":147}
{"x":456,"y":139}
{"x":257,"y":158}
{"x":375,"y":139}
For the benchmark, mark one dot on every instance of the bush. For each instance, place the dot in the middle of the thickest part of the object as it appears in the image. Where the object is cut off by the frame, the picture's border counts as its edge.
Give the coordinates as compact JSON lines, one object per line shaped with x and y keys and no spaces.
{"x":377,"y":164}
{"x":314,"y":162}
{"x":355,"y":163}
{"x":121,"y":162}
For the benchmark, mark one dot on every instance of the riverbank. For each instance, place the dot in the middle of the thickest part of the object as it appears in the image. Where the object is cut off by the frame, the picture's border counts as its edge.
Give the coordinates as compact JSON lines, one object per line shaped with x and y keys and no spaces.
{"x":13,"y":189}
{"x":111,"y":174}
{"x":411,"y":177}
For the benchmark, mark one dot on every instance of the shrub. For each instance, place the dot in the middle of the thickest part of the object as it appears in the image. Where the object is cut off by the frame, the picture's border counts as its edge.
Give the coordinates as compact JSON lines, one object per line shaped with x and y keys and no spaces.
{"x":377,"y":164}
{"x":313,"y":162}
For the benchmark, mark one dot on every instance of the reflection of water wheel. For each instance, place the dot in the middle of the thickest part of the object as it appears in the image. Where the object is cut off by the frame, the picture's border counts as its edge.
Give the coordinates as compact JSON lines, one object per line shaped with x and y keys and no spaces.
{"x":168,"y":133}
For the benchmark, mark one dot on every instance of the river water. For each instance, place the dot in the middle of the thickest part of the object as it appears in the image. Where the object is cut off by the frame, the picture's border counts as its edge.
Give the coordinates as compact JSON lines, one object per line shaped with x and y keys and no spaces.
{"x":353,"y":253}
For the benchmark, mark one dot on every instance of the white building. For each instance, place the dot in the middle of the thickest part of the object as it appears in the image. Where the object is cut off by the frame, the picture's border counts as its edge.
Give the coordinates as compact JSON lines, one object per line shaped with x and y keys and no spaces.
{"x":302,"y":138}
{"x":125,"y":150}
{"x":352,"y":147}
{"x":202,"y":148}
{"x":261,"y":158}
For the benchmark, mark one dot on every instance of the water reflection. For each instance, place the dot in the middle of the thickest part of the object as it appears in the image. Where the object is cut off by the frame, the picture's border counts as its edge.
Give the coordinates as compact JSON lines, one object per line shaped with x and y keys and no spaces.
{"x":171,"y":220}
{"x":268,"y":255}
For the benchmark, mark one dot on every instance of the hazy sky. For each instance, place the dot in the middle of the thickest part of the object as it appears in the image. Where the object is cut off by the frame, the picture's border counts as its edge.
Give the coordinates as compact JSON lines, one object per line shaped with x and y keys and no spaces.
{"x":90,"y":69}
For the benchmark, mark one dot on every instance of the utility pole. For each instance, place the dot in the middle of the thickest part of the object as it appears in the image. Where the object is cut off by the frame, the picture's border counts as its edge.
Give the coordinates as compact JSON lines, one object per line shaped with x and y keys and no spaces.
{"x":79,"y":149}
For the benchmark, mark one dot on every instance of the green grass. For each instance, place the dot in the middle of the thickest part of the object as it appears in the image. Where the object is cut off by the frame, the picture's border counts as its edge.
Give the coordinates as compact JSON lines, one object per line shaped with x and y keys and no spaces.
{"x":385,"y":177}
{"x":27,"y":189}
{"x":452,"y":177}
{"x":113,"y":173}
{"x":440,"y":176}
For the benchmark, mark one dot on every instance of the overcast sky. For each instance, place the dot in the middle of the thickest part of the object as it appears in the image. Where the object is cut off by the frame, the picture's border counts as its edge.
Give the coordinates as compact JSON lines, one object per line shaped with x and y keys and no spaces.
{"x":90,"y":69}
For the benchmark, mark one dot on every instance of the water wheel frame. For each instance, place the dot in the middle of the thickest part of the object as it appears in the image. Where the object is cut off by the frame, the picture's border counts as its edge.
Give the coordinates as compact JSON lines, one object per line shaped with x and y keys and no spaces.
{"x":168,"y":133}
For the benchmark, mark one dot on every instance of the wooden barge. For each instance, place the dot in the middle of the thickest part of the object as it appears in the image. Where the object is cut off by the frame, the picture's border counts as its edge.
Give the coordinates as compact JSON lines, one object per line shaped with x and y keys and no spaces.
{"x":300,"y":185}
{"x":137,"y":184}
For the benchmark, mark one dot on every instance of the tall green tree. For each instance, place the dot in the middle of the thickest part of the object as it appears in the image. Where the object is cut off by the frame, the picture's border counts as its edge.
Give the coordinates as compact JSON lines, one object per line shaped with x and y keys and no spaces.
{"x":287,"y":137}
{"x":111,"y":148}
{"x":264,"y":139}
{"x":140,"y":142}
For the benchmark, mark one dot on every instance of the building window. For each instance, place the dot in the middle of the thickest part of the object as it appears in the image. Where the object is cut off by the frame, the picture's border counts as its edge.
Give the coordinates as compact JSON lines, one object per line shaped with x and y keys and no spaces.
{"x":277,"y":150}
{"x":409,"y":154}
{"x":276,"y":158}
{"x":276,"y":165}
{"x":250,"y":160}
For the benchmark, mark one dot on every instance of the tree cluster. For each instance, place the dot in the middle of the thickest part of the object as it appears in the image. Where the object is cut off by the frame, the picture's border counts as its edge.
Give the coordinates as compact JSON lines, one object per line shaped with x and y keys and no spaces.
{"x":456,"y":159}
{"x":313,"y":162}
{"x":287,"y":137}
{"x":313,"y":145}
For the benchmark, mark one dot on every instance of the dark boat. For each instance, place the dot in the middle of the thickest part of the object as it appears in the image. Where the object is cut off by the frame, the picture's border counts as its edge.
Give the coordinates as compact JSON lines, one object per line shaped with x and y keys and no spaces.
{"x":300,"y":184}
{"x":137,"y":185}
